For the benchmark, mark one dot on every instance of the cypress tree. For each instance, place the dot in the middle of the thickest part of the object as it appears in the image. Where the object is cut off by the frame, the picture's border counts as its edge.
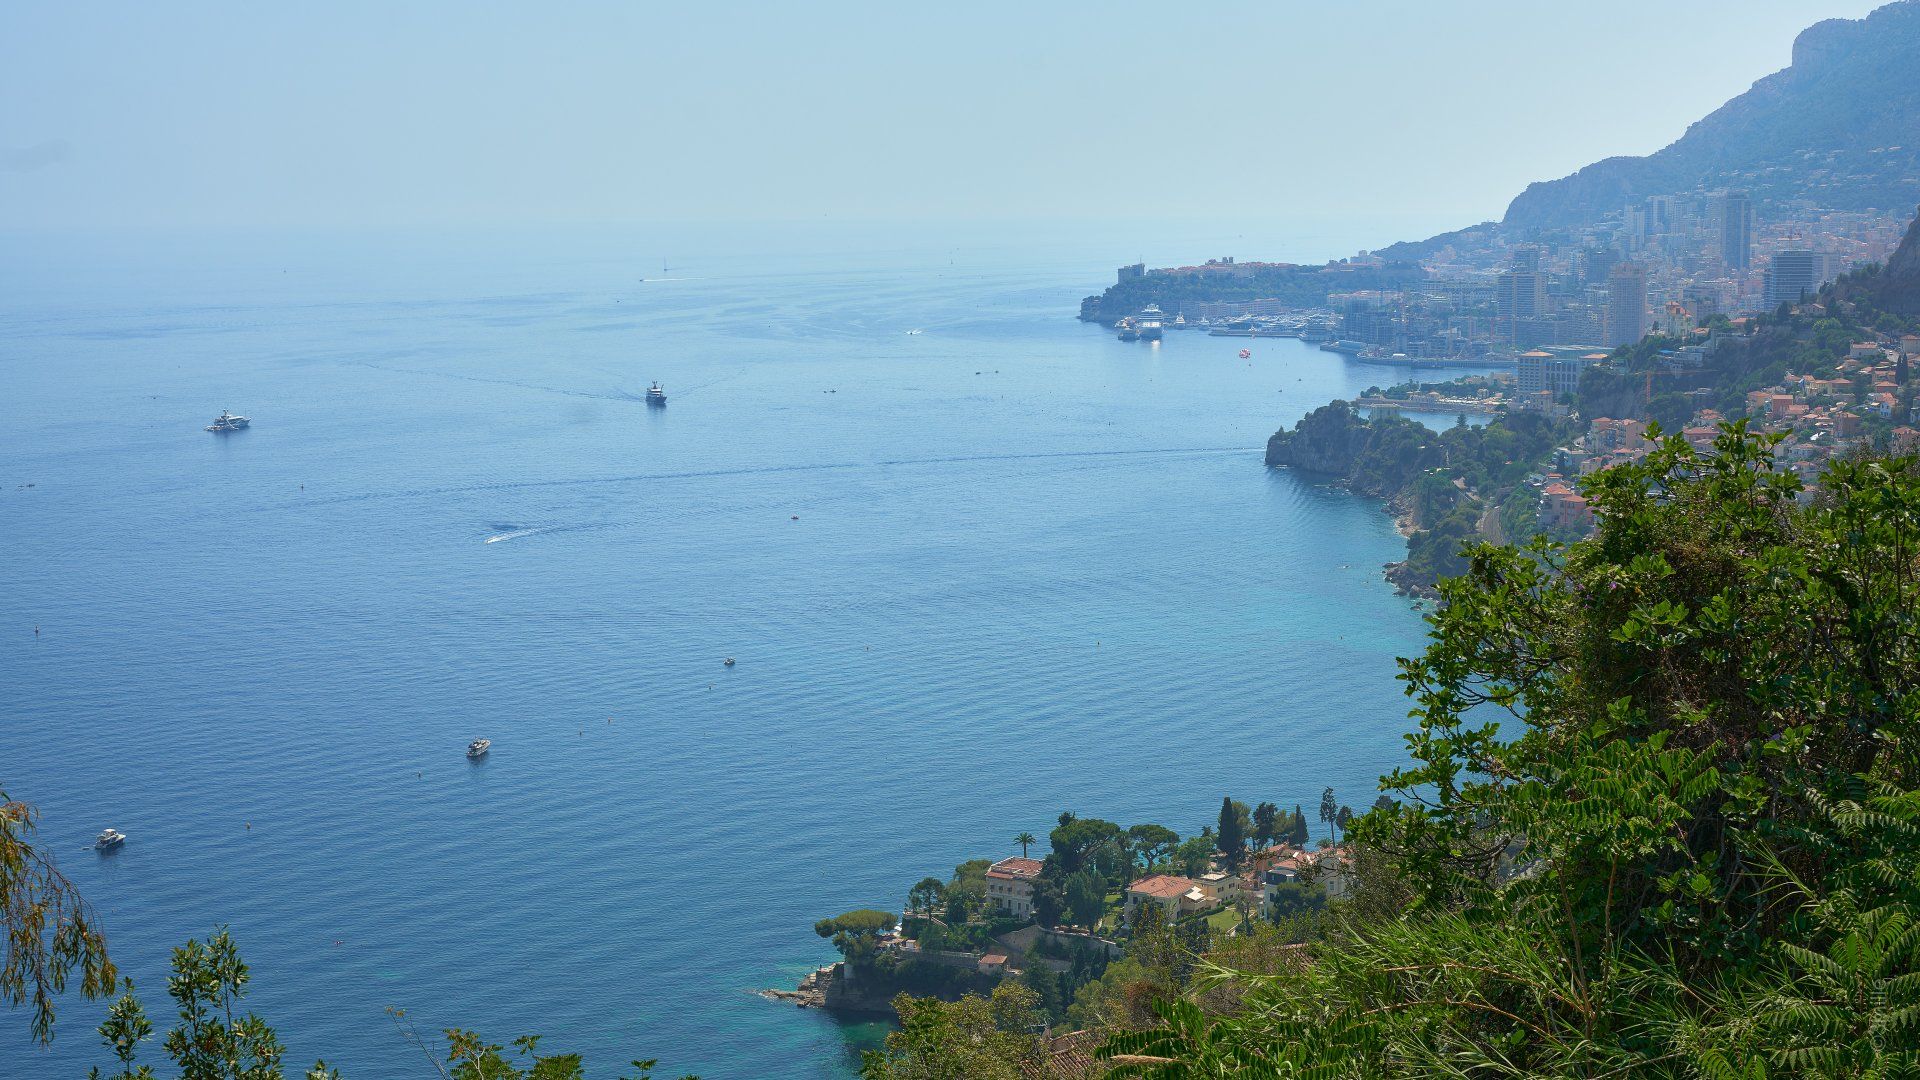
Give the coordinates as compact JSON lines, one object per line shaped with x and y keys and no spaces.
{"x":1232,"y":839}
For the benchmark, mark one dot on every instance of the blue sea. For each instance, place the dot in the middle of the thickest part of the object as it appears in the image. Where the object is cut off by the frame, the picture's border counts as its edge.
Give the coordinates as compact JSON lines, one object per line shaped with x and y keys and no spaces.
{"x":972,"y":576}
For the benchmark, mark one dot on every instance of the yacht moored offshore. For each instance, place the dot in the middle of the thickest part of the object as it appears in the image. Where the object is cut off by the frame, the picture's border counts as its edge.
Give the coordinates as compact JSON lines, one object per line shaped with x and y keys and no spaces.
{"x":478,"y":748}
{"x":226,"y":421}
{"x":1151,"y":322}
{"x":109,"y":838}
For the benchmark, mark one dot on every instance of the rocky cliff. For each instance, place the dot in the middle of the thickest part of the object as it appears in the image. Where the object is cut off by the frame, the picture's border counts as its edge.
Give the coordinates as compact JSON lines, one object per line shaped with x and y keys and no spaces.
{"x":1897,"y":289}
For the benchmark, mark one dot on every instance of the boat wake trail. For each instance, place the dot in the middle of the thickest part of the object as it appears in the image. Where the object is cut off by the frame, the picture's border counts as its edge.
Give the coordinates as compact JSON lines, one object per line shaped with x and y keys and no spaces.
{"x":514,"y":535}
{"x":762,"y":470}
{"x":564,"y":391}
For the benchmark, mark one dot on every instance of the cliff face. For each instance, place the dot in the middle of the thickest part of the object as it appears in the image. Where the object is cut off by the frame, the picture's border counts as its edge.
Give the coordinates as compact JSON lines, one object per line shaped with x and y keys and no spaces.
{"x":1898,"y":287}
{"x":1841,"y":127}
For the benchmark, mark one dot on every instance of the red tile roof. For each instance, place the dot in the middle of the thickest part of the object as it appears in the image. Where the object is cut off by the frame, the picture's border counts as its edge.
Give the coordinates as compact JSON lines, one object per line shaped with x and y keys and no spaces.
{"x":1015,"y":869}
{"x":1162,"y":886}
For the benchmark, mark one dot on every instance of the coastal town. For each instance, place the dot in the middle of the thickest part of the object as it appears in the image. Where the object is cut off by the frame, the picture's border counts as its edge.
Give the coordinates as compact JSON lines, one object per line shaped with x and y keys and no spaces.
{"x":1060,"y":923}
{"x":1484,"y":296}
{"x":1865,"y":398}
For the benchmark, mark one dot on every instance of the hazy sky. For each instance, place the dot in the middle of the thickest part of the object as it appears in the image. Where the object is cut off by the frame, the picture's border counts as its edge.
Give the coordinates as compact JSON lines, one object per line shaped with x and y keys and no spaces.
{"x":179,"y":113}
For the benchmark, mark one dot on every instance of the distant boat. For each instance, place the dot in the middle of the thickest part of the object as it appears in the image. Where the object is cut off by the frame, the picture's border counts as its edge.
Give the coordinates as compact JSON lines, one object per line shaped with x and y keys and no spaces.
{"x":728,"y":662}
{"x":1150,"y":321}
{"x":1245,"y":353}
{"x":109,"y":838}
{"x":478,"y":748}
{"x":910,"y":333}
{"x":226,"y":421}
{"x":1127,"y":331}
{"x":656,"y":395}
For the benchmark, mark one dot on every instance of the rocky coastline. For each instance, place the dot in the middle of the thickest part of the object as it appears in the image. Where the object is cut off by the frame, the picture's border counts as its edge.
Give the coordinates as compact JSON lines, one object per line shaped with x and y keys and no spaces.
{"x":1329,"y":446}
{"x":833,"y":989}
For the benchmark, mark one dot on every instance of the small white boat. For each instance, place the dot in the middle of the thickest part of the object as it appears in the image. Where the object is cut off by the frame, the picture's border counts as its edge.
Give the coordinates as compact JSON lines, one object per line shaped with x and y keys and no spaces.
{"x":226,"y":421}
{"x":109,"y":838}
{"x":728,"y":662}
{"x":478,"y":748}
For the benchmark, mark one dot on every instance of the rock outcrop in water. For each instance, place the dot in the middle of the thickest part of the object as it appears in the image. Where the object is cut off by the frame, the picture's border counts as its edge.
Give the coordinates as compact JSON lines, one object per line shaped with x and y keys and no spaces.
{"x":1373,"y":457}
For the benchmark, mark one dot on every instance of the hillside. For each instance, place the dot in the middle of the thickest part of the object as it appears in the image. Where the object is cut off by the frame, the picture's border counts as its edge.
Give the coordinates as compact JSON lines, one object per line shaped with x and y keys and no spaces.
{"x":1894,"y":287}
{"x":1840,"y":128}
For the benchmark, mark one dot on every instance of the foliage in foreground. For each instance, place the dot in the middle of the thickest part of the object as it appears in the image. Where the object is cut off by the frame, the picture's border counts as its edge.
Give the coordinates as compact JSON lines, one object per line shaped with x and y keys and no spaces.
{"x":209,"y":1042}
{"x":208,"y":982}
{"x":50,"y":930}
{"x":1690,"y":847}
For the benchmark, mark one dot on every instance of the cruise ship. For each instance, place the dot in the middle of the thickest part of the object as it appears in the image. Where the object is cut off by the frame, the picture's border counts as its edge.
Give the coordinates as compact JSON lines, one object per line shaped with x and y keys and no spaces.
{"x":478,"y":748}
{"x":1151,"y":322}
{"x":226,"y":421}
{"x":656,"y":395}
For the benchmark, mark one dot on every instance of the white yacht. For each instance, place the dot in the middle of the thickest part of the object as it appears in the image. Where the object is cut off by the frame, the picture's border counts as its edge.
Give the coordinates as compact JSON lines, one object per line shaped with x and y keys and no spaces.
{"x":226,"y":421}
{"x":109,"y":838}
{"x":478,"y":748}
{"x":656,"y":395}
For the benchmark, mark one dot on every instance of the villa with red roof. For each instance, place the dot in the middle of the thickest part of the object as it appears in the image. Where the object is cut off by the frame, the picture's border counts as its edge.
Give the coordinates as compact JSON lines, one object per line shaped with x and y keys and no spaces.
{"x":1010,"y":885}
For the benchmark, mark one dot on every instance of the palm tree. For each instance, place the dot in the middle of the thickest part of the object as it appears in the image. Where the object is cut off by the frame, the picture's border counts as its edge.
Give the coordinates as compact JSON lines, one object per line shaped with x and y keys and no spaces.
{"x":1023,"y":840}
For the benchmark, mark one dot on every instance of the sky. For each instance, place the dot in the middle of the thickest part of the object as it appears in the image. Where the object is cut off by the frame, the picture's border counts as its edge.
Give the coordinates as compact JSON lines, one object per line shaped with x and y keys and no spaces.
{"x":117,"y":114}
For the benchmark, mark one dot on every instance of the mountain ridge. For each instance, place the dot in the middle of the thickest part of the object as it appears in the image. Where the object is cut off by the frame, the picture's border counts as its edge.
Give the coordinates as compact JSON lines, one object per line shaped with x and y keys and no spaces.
{"x":1839,"y":127}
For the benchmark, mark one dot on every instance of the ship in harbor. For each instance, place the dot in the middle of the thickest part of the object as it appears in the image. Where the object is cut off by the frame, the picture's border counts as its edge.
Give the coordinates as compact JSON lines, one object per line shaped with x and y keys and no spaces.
{"x":1129,"y":332}
{"x":1151,"y":323}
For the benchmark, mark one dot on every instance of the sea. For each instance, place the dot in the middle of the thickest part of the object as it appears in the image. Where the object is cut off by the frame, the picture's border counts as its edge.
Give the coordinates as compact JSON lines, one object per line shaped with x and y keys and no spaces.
{"x":976,"y":563}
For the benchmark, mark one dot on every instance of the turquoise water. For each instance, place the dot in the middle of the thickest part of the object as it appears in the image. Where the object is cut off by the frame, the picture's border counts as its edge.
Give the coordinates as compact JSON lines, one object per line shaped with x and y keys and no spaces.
{"x":972,"y":577}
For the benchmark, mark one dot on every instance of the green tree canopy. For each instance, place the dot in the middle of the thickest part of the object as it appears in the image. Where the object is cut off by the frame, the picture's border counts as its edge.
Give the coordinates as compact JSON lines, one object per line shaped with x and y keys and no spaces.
{"x":1075,"y":841}
{"x":1086,"y":896}
{"x":1266,"y":824}
{"x":1151,"y":843}
{"x":1231,"y":834}
{"x":1663,"y":813}
{"x":975,"y":1038}
{"x":855,"y":933}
